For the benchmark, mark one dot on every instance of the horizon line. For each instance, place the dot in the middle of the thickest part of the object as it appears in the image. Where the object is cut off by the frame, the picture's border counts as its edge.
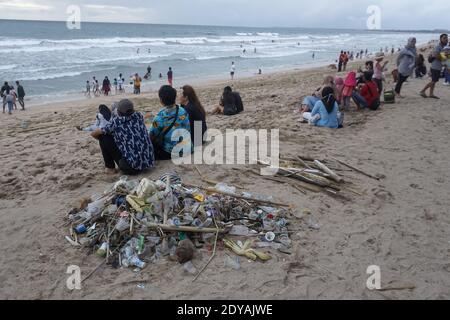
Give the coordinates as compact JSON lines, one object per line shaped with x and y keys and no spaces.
{"x":229,"y":26}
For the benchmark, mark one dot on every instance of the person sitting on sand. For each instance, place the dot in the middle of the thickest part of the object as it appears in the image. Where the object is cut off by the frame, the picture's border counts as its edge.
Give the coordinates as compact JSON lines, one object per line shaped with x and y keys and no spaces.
{"x":102,"y":119}
{"x":406,"y":62}
{"x":310,"y":101}
{"x":325,"y":112}
{"x":190,"y":102}
{"x":230,"y":103}
{"x":368,"y":96}
{"x":167,"y":122}
{"x":125,"y":141}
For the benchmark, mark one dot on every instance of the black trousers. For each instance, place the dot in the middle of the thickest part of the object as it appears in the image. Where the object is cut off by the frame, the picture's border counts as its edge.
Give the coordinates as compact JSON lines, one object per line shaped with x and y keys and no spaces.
{"x":379,"y":84}
{"x":160,"y":153}
{"x":401,"y":80}
{"x":112,"y":156}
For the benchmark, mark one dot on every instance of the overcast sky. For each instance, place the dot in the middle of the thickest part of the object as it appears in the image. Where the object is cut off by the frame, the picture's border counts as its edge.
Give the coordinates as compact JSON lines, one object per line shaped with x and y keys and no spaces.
{"x":395,"y":14}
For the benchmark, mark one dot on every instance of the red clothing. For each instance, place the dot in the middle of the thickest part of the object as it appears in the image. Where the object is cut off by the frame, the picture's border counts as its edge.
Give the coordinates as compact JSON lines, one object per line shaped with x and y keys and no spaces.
{"x":370,"y":92}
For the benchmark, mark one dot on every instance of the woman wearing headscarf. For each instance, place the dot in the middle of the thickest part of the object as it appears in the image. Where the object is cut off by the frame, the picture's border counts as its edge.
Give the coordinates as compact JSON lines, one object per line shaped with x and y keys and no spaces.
{"x":325,"y":112}
{"x":102,"y":119}
{"x":309,"y":101}
{"x":125,"y":142}
{"x":406,"y":62}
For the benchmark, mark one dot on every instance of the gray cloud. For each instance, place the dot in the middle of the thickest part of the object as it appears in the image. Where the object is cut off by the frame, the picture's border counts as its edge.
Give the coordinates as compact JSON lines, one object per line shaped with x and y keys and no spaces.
{"x":398,"y":14}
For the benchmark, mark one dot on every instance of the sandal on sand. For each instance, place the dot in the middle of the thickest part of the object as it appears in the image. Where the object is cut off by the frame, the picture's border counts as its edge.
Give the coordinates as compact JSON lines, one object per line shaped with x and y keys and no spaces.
{"x":434,"y":97}
{"x":423,"y":95}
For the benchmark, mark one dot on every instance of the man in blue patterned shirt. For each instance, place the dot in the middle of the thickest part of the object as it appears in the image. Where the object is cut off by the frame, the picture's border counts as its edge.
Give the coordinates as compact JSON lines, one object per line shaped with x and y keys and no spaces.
{"x":125,"y":141}
{"x":171,"y":127}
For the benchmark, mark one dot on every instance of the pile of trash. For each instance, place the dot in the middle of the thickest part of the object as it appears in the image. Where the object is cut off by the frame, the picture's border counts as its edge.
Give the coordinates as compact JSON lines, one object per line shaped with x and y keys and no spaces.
{"x":139,"y":222}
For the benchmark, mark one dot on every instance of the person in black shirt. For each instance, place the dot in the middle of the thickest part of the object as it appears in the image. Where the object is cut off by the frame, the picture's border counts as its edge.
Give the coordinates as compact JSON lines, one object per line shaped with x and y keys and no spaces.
{"x":190,"y":102}
{"x":230,"y":103}
{"x":20,"y":94}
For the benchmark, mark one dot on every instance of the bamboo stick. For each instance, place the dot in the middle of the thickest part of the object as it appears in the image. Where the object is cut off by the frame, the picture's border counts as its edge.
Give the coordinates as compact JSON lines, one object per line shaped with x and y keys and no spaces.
{"x":356,"y":169}
{"x":213,"y":190}
{"x":166,"y":227}
{"x":327,"y":170}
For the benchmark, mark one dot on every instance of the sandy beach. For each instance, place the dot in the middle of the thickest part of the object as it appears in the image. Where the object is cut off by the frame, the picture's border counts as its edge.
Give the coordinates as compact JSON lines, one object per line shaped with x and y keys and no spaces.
{"x":400,"y":223}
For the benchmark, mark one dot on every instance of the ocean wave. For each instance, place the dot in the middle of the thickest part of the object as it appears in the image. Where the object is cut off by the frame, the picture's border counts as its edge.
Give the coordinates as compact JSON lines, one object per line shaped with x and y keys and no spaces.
{"x":8,"y":67}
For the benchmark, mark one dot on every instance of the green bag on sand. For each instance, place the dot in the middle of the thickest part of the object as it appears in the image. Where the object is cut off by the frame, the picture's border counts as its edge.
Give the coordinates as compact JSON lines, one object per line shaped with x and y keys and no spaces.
{"x":389,"y":96}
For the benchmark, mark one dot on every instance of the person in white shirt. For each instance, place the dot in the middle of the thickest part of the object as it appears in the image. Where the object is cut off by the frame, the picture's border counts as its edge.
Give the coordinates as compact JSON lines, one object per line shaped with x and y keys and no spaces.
{"x":233,"y":70}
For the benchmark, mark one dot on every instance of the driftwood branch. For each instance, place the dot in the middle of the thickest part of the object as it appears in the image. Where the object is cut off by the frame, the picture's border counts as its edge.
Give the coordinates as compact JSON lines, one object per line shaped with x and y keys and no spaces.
{"x":356,"y":169}
{"x":327,"y":170}
{"x":166,"y":227}
{"x":213,"y":190}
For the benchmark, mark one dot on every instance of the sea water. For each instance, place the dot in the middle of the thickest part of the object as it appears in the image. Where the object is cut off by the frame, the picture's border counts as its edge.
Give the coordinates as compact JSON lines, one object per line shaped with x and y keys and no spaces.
{"x":54,"y":62}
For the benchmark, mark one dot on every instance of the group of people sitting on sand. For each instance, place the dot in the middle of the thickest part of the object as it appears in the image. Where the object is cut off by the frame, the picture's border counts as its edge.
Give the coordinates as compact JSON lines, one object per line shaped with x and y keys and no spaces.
{"x":126,"y":142}
{"x":326,"y":106}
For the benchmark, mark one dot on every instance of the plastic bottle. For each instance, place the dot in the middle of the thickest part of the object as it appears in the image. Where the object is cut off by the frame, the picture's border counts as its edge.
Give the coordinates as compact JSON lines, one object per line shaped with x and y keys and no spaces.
{"x":189,"y":268}
{"x":135,"y":261}
{"x":223,"y":187}
{"x":233,"y":263}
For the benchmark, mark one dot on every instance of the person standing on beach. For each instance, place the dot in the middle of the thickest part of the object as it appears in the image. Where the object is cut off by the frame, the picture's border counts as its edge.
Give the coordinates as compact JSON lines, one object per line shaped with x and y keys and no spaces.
{"x":14,"y":95}
{"x":87,"y":93}
{"x":96,"y":89}
{"x":4,"y":92}
{"x":406,"y":62}
{"x":21,"y":94}
{"x":233,"y":70}
{"x":345,"y":62}
{"x":341,"y":61}
{"x":170,"y":77}
{"x":106,"y":86}
{"x":137,"y":84}
{"x":436,"y":67}
{"x":378,"y":71}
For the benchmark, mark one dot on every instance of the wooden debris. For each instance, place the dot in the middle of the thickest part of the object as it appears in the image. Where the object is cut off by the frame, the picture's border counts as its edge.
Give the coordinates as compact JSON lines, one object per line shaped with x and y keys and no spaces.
{"x":356,"y":169}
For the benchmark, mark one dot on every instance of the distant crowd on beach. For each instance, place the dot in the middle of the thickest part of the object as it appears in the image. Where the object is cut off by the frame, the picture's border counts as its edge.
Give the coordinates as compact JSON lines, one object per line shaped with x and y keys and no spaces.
{"x":118,"y":84}
{"x":327,"y":105}
{"x":12,"y":95}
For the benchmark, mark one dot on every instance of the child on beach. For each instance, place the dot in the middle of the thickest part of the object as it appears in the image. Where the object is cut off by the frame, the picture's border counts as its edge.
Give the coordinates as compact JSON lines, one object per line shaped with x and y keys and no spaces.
{"x":378,"y":71}
{"x":339,"y":83}
{"x":87,"y":93}
{"x":10,"y":102}
{"x":96,"y":89}
{"x":115,"y":85}
{"x":349,"y":87}
{"x":446,"y":64}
